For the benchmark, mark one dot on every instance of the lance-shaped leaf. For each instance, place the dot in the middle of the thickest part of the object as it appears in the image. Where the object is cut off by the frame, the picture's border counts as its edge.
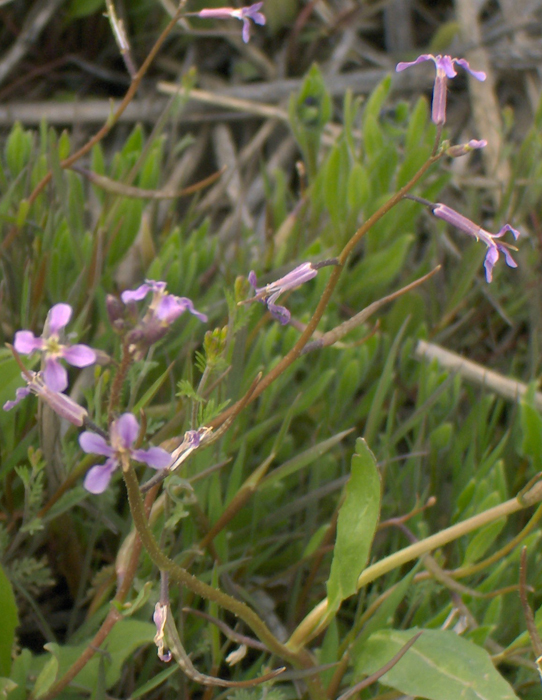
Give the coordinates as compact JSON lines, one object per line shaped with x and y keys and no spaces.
{"x":358,"y":518}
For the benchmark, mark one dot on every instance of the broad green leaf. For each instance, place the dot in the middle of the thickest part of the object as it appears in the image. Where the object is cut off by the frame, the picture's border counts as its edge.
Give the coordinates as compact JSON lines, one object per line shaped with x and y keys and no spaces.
{"x":19,"y":674}
{"x":358,"y":518}
{"x":9,"y":621}
{"x":125,"y":637}
{"x":440,"y":666}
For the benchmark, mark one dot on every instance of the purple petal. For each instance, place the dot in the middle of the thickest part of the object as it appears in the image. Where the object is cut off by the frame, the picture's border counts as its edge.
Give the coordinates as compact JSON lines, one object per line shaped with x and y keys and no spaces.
{"x":135,"y":294}
{"x":298,"y":276}
{"x":126,"y":428}
{"x":478,"y":74}
{"x":280,"y":313}
{"x":99,"y":476}
{"x":155,"y":457}
{"x":58,"y":317}
{"x":20,"y":394}
{"x":506,"y":228}
{"x":246,"y":30}
{"x":253,"y":280}
{"x":26,"y":342}
{"x":492,"y":256}
{"x":95,"y":444}
{"x":406,"y":64}
{"x":445,"y":65}
{"x":171,"y":307}
{"x":79,"y":355}
{"x":509,"y":259}
{"x":55,"y":375}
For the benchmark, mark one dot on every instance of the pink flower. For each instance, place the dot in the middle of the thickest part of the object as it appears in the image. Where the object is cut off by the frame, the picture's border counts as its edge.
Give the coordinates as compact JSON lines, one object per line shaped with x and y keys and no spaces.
{"x":123,"y":434}
{"x":494,"y":246}
{"x":244,"y":14}
{"x":445,"y":69}
{"x":160,"y":617}
{"x":54,"y":374}
{"x":162,"y":311}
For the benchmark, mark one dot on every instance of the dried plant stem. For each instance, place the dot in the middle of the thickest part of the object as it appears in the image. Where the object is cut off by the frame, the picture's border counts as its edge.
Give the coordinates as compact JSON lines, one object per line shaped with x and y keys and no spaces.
{"x":106,"y":128}
{"x":318,"y":619}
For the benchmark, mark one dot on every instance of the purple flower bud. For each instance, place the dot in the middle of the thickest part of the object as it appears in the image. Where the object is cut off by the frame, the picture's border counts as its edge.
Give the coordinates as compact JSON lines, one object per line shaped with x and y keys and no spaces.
{"x":444,"y":70}
{"x":463,"y":148}
{"x":49,"y":344}
{"x":60,"y":403}
{"x":494,"y":246}
{"x":123,"y":433}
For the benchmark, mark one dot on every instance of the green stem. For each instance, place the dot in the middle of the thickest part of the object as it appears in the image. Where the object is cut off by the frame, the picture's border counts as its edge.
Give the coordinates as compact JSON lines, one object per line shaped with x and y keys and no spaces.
{"x":183,"y":578}
{"x":318,"y":619}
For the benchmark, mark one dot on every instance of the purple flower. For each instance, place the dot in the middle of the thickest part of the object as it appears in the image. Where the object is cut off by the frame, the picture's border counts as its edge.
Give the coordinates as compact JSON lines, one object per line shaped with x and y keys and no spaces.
{"x":163,"y":310}
{"x":49,"y":344}
{"x":159,"y":617}
{"x":494,"y":247}
{"x":124,"y":432}
{"x":244,"y":14}
{"x":445,"y":69}
{"x":60,"y":403}
{"x":271,"y":292}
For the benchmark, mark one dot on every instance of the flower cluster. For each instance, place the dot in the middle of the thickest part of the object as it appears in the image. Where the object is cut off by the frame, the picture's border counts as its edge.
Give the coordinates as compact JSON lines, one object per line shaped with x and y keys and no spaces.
{"x":163,"y":310}
{"x":445,"y":70}
{"x":49,"y":383}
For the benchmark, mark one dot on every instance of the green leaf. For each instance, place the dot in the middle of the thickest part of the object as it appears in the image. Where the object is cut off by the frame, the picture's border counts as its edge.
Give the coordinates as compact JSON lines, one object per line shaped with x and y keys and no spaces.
{"x":531,"y":426}
{"x":10,"y":621}
{"x":358,"y":518}
{"x":46,"y":676}
{"x":440,"y":666}
{"x":125,"y":637}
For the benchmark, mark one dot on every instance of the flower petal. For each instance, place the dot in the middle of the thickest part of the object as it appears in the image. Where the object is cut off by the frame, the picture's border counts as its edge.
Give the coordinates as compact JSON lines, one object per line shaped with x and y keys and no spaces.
{"x":492,"y":256}
{"x":93,"y":443}
{"x":406,"y":64}
{"x":508,"y":257}
{"x":21,"y":393}
{"x":26,"y":342}
{"x":79,"y":355}
{"x":155,"y":457}
{"x":506,"y":228}
{"x":135,"y":294}
{"x":55,"y":375}
{"x":58,"y":317}
{"x":99,"y":476}
{"x":253,"y":280}
{"x":171,"y":307}
{"x":127,"y":429}
{"x":280,"y":313}
{"x":478,"y":74}
{"x":445,"y":64}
